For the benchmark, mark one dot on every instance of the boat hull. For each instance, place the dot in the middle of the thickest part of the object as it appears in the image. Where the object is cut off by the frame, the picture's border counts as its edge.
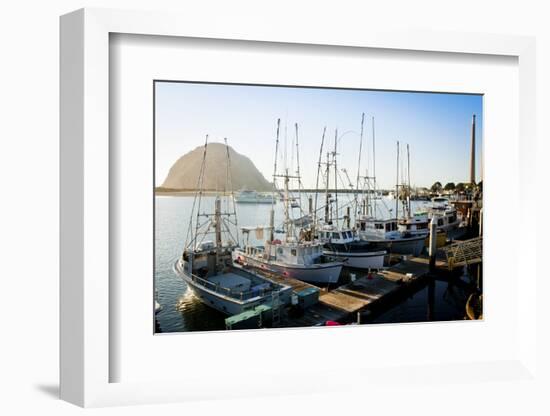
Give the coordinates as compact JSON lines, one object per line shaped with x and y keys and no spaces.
{"x":322,"y":273}
{"x":414,"y":245}
{"x":368,"y":260}
{"x":225,"y":304}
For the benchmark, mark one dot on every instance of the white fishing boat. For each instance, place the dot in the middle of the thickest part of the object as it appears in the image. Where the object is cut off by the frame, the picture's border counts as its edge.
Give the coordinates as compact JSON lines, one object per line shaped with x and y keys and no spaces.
{"x":385,"y":235}
{"x":208,"y":270}
{"x":301,"y":260}
{"x":293,"y":256}
{"x":343,"y":244}
{"x":338,"y":239}
{"x":442,"y":212}
{"x":246,"y":196}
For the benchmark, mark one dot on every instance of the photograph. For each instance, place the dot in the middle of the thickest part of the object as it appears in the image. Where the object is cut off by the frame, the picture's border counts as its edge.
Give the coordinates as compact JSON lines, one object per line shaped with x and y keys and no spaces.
{"x":301,"y":206}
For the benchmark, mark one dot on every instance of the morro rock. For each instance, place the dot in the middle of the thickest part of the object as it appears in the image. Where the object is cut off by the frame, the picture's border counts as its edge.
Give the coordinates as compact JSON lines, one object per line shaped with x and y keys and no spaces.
{"x":184,"y":173}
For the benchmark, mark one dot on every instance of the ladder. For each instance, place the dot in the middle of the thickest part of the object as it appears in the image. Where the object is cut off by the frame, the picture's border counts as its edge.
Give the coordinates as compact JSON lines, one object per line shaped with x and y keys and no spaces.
{"x":275,"y":308}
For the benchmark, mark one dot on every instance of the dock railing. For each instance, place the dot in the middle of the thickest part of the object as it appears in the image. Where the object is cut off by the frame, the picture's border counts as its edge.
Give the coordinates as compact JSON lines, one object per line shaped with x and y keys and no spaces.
{"x":464,"y":253}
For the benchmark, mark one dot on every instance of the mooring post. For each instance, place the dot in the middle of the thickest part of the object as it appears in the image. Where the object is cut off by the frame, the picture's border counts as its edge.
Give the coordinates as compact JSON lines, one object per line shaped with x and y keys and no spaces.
{"x":433,"y":244}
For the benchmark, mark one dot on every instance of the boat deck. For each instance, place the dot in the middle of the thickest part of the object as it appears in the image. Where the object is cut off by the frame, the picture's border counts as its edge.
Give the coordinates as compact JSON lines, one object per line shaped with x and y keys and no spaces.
{"x":296,"y":285}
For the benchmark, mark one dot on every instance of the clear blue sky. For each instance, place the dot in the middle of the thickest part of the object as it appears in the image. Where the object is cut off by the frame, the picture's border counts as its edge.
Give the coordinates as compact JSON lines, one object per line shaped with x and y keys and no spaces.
{"x":436,"y":127}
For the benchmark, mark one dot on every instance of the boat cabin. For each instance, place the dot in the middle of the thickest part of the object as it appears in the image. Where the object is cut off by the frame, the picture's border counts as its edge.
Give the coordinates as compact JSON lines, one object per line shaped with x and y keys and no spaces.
{"x":294,"y":253}
{"x":335,"y":236}
{"x":368,"y":227}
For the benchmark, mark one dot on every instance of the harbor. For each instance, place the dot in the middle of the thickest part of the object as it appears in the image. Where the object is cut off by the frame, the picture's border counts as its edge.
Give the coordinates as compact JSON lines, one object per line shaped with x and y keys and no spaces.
{"x":236,"y":252}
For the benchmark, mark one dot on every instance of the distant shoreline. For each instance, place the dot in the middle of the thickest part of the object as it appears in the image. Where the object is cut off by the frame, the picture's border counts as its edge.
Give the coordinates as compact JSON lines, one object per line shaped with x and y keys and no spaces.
{"x":174,"y":192}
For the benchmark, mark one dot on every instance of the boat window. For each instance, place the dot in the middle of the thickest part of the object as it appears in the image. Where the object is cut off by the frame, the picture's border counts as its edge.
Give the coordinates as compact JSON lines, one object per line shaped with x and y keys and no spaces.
{"x":350,"y":235}
{"x":293,"y":251}
{"x":362,"y":226}
{"x":440,"y":222}
{"x":280,"y":250}
{"x":388,"y":227}
{"x":335,"y":235}
{"x":379,"y":226}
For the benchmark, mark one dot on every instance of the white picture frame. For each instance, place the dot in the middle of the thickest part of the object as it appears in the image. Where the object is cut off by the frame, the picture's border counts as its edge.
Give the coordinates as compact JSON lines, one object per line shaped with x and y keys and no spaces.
{"x":85,"y":176}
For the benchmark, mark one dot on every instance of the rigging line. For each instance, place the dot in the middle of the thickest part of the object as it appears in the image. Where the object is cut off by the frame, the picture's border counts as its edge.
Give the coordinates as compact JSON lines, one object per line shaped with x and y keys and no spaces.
{"x":230,"y":180}
{"x":203,"y":168}
{"x":359,"y":161}
{"x":189,"y":238}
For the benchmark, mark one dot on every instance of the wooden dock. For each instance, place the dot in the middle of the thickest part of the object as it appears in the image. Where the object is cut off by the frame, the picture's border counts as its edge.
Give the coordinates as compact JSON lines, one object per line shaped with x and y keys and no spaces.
{"x":367,"y":290}
{"x":343,"y":303}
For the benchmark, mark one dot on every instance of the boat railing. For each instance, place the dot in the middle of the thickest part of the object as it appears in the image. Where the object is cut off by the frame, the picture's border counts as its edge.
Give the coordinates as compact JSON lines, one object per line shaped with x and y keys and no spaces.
{"x":240,"y":295}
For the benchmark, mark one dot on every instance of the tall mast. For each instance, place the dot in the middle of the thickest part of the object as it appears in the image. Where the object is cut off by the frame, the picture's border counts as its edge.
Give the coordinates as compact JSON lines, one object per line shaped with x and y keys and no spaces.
{"x":200,"y":185}
{"x":374,"y":166}
{"x":327,"y":219}
{"x":359,"y":161}
{"x":218,"y":222}
{"x":287,"y":218}
{"x":230,"y":180}
{"x":317,"y":181}
{"x":298,"y":177}
{"x":272,"y":212}
{"x":397,"y":186}
{"x":336,"y":175}
{"x":297,"y":157}
{"x":409,"y":182}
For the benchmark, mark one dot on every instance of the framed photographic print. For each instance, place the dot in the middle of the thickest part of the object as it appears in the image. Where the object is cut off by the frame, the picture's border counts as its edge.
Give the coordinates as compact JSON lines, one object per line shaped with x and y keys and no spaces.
{"x":256,"y":205}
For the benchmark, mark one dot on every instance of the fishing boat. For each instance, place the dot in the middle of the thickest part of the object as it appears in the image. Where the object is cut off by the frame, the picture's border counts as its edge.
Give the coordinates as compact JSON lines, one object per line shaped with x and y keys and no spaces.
{"x":442,"y":212}
{"x":294,"y":256}
{"x":246,"y":196}
{"x":383,"y":233}
{"x":343,"y":244}
{"x":338,"y":239}
{"x":301,"y":260}
{"x":207,"y":266}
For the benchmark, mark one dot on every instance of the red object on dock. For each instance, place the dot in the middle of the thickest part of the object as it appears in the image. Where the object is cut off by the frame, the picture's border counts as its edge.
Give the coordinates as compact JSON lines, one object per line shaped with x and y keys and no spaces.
{"x":369,"y":276}
{"x":332,"y":323}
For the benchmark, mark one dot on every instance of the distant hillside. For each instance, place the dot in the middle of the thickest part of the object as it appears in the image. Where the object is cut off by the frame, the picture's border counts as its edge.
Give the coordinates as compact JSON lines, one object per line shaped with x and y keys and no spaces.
{"x":184,"y":173}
